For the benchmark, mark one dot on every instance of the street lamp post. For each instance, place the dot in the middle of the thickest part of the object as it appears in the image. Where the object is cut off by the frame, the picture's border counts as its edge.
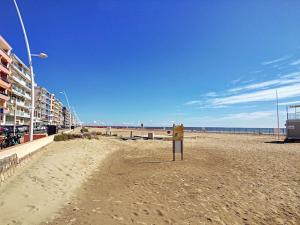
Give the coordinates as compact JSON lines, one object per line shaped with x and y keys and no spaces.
{"x":41,"y":55}
{"x":77,"y":117}
{"x":65,"y":94}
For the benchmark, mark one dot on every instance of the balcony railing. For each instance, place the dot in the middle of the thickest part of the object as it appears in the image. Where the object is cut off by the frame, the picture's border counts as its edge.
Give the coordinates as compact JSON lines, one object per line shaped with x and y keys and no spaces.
{"x":19,"y":114}
{"x":5,"y":55}
{"x":4,"y":96}
{"x":22,"y":82}
{"x":20,"y":92}
{"x":294,"y":116}
{"x":4,"y":68}
{"x":21,"y":71}
{"x":4,"y":83}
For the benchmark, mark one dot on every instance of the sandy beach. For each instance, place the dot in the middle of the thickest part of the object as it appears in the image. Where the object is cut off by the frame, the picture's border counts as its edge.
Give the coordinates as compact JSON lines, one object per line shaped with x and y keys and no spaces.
{"x":45,"y":183}
{"x":224,"y":179}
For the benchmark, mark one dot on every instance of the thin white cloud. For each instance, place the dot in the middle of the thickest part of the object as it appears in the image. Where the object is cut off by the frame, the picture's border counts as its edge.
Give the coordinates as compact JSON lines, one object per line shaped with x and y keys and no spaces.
{"x":284,"y":80}
{"x":275,"y":60}
{"x":288,"y":86}
{"x":194,"y":102}
{"x":209,"y":106}
{"x":211,"y":94}
{"x":249,"y":115}
{"x":295,"y":63}
{"x":288,"y":91}
{"x":240,"y":119}
{"x":236,"y":81}
{"x":256,"y":71}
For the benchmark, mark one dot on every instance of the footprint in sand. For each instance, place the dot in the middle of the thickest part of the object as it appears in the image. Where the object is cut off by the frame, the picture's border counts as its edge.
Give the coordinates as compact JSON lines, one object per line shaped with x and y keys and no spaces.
{"x":146,"y":211}
{"x":25,"y":195}
{"x":135,"y":214}
{"x":159,"y":212}
{"x":118,"y":218}
{"x":16,"y":222}
{"x":31,"y":208}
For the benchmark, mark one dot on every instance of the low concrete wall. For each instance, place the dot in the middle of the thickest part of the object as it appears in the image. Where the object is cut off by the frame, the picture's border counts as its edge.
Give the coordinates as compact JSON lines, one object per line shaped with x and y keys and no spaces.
{"x":7,"y":166}
{"x":11,"y":157}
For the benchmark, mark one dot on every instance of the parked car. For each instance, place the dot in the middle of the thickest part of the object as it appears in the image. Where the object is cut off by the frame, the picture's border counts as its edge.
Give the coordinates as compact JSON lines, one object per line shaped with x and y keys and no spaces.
{"x":40,"y":130}
{"x":10,"y":129}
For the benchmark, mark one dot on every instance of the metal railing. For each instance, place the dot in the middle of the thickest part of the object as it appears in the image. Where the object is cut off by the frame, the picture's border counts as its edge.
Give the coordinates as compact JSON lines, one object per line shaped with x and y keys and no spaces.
{"x":293,"y":116}
{"x":21,"y":70}
{"x":3,"y":93}
{"x":4,"y":79}
{"x":4,"y":53}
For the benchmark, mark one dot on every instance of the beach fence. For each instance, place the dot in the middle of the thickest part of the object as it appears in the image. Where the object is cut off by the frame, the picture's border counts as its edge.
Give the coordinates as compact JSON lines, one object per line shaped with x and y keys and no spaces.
{"x":228,"y":130}
{"x":233,"y":130}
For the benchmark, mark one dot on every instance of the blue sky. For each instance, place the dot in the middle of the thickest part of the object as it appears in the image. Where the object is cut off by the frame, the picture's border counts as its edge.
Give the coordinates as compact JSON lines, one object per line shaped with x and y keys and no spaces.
{"x":201,"y":63}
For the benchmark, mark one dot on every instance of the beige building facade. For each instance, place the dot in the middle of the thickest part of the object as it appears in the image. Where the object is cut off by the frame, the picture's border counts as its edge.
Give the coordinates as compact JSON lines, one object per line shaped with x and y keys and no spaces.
{"x":56,"y":111}
{"x":5,"y":72}
{"x":19,"y":103}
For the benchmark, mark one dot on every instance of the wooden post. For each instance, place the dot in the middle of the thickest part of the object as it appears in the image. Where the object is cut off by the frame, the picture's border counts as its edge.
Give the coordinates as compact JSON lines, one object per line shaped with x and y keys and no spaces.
{"x":181,"y":149}
{"x":173,"y":150}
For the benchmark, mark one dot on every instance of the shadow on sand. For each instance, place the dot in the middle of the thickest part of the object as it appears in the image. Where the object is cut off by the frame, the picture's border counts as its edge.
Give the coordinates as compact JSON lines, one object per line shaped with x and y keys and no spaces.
{"x":153,"y":162}
{"x":275,"y":142}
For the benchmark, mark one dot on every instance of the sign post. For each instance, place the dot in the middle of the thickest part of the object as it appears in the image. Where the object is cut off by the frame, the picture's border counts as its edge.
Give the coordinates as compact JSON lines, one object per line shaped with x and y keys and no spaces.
{"x":142,"y":128}
{"x":178,"y":134}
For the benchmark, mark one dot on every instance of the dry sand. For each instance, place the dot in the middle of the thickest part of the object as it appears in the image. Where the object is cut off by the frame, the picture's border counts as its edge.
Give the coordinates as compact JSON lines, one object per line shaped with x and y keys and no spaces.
{"x":224,"y":179}
{"x":42,"y":186}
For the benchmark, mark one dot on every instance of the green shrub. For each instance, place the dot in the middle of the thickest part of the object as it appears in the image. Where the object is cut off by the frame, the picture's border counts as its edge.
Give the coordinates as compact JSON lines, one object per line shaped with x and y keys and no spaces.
{"x":84,"y":130}
{"x":68,"y":136}
{"x":59,"y":138}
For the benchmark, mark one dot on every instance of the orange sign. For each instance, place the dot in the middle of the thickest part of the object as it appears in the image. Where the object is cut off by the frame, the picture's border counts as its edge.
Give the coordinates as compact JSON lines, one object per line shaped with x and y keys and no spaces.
{"x":178,"y":132}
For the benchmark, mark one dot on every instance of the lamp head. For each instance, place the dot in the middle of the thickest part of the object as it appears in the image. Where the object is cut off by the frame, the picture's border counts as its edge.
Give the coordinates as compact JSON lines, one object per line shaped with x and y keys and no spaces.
{"x":43,"y":55}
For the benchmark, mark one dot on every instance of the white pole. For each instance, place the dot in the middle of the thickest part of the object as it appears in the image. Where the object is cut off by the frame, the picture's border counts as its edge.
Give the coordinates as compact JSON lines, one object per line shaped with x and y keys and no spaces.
{"x":63,"y":92}
{"x":31,"y":72}
{"x":15,"y":115}
{"x":75,"y":113}
{"x":277,"y":116}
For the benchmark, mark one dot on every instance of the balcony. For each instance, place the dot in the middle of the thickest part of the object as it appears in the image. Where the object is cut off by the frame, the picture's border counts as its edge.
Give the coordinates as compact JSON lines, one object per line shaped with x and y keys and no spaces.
{"x":21,"y":71}
{"x":4,"y":96}
{"x":27,"y":96}
{"x":4,"y":83}
{"x":20,"y":103}
{"x":18,"y":91}
{"x":3,"y":111}
{"x":21,"y":82}
{"x":293,"y":116}
{"x":5,"y":56}
{"x":20,"y":114}
{"x":4,"y":69}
